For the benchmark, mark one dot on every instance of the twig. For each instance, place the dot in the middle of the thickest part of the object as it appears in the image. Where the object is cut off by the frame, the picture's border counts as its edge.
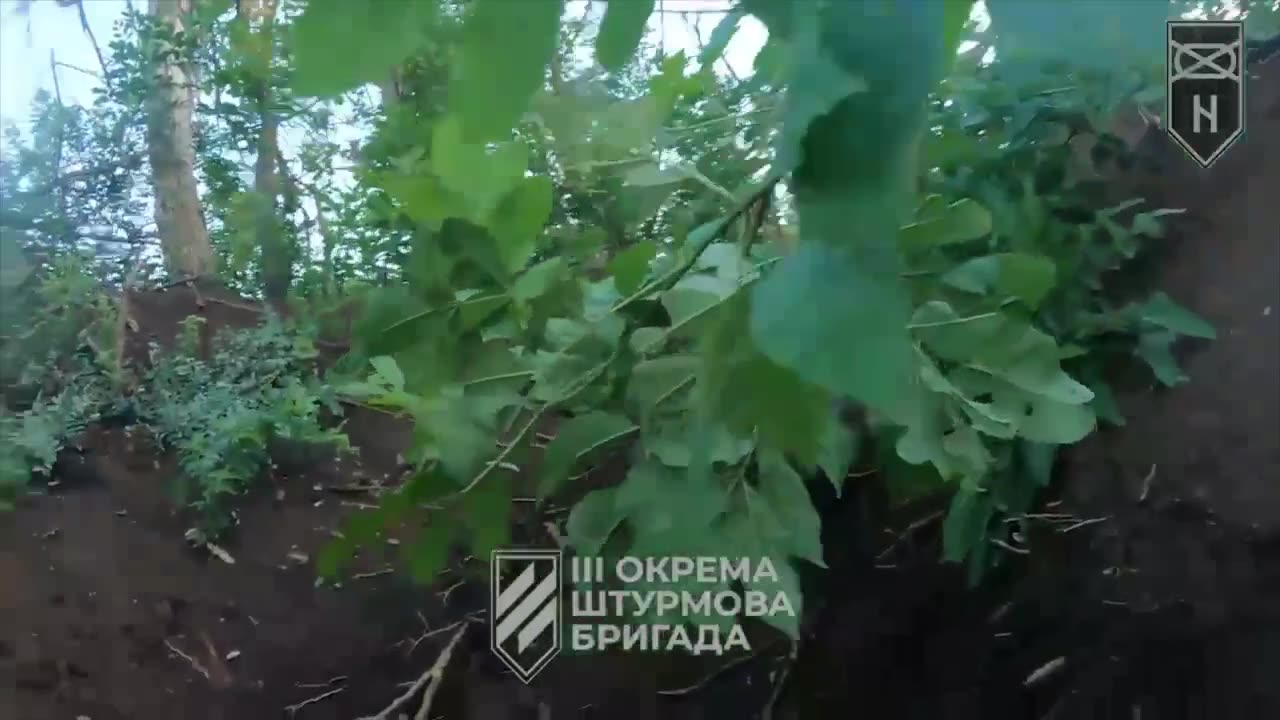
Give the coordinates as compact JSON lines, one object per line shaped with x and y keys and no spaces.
{"x":192,"y":661}
{"x":706,"y":680}
{"x":444,"y":594}
{"x":908,"y":532}
{"x":430,"y":633}
{"x":374,"y":574}
{"x":331,"y":683}
{"x":430,"y":680}
{"x":1083,"y":523}
{"x":1010,"y":548}
{"x":293,"y":709}
{"x":1146,"y":483}
{"x":219,"y":553}
{"x":778,"y":686}
{"x":1044,"y":671}
{"x":97,"y":50}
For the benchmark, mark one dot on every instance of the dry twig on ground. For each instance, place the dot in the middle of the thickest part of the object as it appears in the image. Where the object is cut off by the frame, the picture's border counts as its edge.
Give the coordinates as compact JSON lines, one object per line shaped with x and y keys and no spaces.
{"x":428,"y":683}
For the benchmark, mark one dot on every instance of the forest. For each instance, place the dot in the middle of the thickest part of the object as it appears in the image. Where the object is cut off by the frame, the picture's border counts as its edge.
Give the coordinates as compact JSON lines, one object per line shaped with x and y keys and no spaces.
{"x":317,"y":304}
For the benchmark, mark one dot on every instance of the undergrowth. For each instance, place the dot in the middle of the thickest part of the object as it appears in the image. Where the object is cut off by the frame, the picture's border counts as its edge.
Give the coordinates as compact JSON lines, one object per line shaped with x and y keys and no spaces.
{"x":220,"y":415}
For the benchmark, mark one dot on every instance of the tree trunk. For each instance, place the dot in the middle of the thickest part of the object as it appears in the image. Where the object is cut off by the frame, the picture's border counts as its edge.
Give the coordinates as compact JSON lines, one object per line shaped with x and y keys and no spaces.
{"x":277,"y":249}
{"x":184,"y":238}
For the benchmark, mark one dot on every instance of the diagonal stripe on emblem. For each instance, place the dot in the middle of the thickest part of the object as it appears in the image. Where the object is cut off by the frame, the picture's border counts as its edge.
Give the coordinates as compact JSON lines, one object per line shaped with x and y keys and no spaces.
{"x":540,"y":622}
{"x":526,"y":607}
{"x":513,"y":592}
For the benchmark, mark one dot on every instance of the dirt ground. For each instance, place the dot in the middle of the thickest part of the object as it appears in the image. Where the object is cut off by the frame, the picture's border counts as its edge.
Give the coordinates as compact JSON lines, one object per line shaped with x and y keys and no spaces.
{"x":1169,"y":608}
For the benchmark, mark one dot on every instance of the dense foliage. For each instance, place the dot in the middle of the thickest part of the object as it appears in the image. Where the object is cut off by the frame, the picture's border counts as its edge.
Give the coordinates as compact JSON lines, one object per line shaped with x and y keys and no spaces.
{"x":552,"y":216}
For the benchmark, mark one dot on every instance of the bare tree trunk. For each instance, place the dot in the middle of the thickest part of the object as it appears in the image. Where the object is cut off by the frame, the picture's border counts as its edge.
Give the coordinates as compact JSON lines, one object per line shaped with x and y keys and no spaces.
{"x":184,"y":238}
{"x":277,"y":249}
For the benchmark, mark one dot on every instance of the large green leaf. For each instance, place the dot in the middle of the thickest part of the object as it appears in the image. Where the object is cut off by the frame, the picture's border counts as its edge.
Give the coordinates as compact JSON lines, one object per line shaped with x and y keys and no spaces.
{"x":1019,"y":275}
{"x":592,"y":520}
{"x":836,"y":311}
{"x":576,"y":438}
{"x":482,"y":176}
{"x":839,"y":322}
{"x":505,"y":50}
{"x":1160,"y":310}
{"x":752,"y":393}
{"x":783,"y":489}
{"x":719,"y":40}
{"x":1102,"y":35}
{"x":960,"y":221}
{"x":519,"y":218}
{"x":486,"y":512}
{"x":631,"y":266}
{"x":621,"y":30}
{"x":378,"y":35}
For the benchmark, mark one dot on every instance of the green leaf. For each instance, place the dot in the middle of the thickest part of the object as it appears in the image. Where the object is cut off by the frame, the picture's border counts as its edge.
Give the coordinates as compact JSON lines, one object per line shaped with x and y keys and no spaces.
{"x":657,"y":381}
{"x":815,"y":86}
{"x":1160,"y":310}
{"x":1037,"y":461}
{"x":1156,"y":349}
{"x":592,"y":520}
{"x":719,"y":40}
{"x":430,"y":550}
{"x":784,"y":490}
{"x":389,"y":371}
{"x":751,"y":393}
{"x":1028,"y":278}
{"x":646,"y":340}
{"x":519,"y":219}
{"x":954,"y":18}
{"x":473,"y":312}
{"x":1103,"y":35}
{"x":687,"y":307}
{"x":486,"y":510}
{"x":539,"y":279}
{"x":631,"y":266}
{"x":961,"y":221}
{"x":838,"y":452}
{"x":1057,"y":423}
{"x":505,"y":50}
{"x":836,"y":310}
{"x":840,"y":322}
{"x":620,"y":32}
{"x":577,"y":438}
{"x":380,"y":35}
{"x":480,"y":175}
{"x":965,"y":526}
{"x":659,"y":501}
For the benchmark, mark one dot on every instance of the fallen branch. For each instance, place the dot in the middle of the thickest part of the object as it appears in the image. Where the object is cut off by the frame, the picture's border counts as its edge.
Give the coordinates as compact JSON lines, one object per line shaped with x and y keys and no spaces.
{"x":293,"y":709}
{"x":190,"y":660}
{"x":430,"y":680}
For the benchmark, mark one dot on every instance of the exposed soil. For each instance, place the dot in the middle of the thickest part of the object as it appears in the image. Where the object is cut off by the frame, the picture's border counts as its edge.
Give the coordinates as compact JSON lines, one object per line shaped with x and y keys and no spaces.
{"x":1168,"y":608}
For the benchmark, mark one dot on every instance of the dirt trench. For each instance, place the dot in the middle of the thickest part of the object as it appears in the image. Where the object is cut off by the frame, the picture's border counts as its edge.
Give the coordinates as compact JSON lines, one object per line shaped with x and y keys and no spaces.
{"x":1167,"y":609}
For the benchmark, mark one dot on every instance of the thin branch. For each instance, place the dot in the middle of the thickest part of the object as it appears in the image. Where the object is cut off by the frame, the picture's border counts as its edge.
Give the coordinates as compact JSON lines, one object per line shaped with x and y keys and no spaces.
{"x":429,"y":680}
{"x":293,"y":709}
{"x":77,"y":68}
{"x":84,"y":25}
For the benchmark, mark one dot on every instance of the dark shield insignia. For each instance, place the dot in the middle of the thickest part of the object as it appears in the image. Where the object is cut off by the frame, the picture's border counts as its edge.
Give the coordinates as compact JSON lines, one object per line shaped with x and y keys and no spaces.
{"x":1205,"y":105}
